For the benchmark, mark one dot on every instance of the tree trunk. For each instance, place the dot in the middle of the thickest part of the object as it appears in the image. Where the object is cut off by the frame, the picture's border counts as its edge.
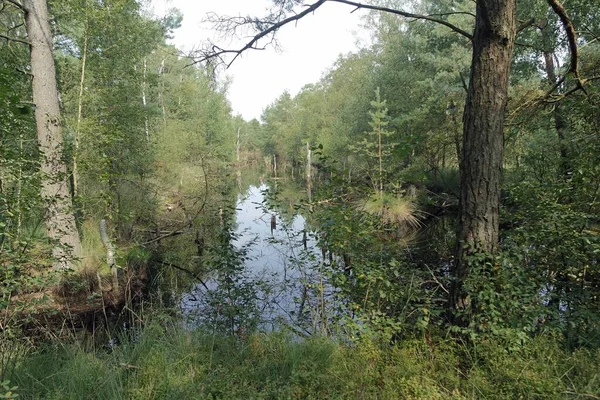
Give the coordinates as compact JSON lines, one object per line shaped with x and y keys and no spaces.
{"x":144,"y":102}
{"x":483,"y":139}
{"x":560,"y":122}
{"x":308,"y":172}
{"x":79,"y":117}
{"x":60,"y":220}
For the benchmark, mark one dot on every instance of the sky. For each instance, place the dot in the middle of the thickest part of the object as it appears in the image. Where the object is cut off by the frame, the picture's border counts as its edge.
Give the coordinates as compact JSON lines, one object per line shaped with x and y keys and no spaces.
{"x":308,"y":48}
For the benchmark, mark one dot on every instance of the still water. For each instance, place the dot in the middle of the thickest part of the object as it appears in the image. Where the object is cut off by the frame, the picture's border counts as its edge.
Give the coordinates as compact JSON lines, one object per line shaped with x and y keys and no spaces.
{"x":281,"y":265}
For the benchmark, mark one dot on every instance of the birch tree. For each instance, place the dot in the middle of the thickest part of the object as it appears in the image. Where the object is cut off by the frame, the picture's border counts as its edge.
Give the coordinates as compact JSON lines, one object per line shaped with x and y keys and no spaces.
{"x":59,"y":217}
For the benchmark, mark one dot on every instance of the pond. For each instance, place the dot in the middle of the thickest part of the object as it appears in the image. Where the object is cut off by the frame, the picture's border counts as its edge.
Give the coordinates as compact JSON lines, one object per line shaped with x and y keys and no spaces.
{"x":280,"y":275}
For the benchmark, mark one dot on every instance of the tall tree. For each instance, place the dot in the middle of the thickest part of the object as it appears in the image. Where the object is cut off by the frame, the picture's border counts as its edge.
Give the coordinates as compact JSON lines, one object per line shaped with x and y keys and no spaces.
{"x":483,"y":136}
{"x":60,"y":219}
{"x":481,"y":164}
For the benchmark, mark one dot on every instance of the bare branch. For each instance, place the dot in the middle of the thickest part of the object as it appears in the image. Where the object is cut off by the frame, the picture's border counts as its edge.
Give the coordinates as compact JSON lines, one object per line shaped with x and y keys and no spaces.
{"x":166,"y":235}
{"x":217,"y":52}
{"x":556,"y":99}
{"x":16,"y":4}
{"x":559,"y":10}
{"x":187,"y":271}
{"x":13,"y":39}
{"x":16,"y":26}
{"x":527,"y":46}
{"x":464,"y":82}
{"x":268,"y":27}
{"x":407,"y":15}
{"x":525,"y":25}
{"x":452,"y":13}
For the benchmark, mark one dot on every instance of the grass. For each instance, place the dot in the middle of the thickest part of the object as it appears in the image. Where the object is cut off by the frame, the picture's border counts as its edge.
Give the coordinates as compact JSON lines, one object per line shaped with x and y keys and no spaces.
{"x":94,"y":253}
{"x":167,"y":362}
{"x":393,"y":209}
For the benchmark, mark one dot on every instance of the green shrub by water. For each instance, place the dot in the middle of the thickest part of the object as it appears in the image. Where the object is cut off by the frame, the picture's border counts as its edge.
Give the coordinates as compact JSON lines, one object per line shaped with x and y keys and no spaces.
{"x":172,"y":363}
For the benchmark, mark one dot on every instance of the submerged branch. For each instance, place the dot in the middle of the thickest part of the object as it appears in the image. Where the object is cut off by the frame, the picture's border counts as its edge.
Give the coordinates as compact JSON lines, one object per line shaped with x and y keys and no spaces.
{"x":187,"y":271}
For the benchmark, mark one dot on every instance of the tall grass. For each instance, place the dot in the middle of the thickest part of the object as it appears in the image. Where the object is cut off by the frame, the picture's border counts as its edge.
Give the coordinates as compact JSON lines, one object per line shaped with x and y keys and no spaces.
{"x":94,"y":253}
{"x":168,"y":362}
{"x":392,"y":208}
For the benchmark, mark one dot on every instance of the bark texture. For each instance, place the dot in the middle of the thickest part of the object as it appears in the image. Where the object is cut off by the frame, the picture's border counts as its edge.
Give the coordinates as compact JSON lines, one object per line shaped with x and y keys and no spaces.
{"x":483,"y":137}
{"x":60,"y":220}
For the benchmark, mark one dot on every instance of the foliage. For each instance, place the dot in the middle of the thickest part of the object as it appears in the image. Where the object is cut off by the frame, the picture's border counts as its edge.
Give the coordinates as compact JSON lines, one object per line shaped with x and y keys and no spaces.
{"x":166,"y":361}
{"x":7,"y":391}
{"x":151,"y":142}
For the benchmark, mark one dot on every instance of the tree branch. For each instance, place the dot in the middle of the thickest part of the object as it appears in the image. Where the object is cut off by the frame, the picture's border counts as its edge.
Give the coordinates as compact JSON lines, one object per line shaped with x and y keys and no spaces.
{"x":525,"y":25}
{"x":187,"y":271}
{"x":464,"y":82}
{"x":452,"y":13}
{"x":16,"y":4}
{"x":217,"y":52}
{"x":556,"y":99}
{"x":407,"y":15}
{"x":269,"y":27}
{"x":559,"y":10}
{"x":166,"y":235}
{"x":12,"y":39}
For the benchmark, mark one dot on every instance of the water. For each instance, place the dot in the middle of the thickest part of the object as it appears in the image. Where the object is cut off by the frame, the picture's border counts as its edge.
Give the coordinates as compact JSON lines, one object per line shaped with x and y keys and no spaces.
{"x":280,"y":267}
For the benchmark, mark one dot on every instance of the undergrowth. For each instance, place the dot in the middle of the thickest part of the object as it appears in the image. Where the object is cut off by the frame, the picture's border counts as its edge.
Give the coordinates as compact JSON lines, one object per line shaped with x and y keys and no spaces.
{"x":168,"y":362}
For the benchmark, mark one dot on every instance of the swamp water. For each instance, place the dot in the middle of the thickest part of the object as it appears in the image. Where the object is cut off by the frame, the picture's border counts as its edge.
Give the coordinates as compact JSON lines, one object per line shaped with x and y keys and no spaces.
{"x":278,"y":282}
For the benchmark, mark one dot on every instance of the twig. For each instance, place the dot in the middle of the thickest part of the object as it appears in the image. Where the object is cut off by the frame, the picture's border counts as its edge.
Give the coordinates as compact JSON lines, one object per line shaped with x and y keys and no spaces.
{"x":436,"y":280}
{"x":407,"y":15}
{"x":16,"y":4}
{"x":14,"y":39}
{"x":166,"y":235}
{"x":267,"y":27}
{"x":187,"y":271}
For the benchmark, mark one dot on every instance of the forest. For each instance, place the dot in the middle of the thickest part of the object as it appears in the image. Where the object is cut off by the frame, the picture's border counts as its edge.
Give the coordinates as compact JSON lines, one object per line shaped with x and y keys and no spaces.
{"x":423,"y":222}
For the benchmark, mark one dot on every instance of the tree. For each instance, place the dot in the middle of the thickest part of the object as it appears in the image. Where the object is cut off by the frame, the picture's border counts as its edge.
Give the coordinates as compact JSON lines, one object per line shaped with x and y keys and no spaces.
{"x":60,"y":219}
{"x":493,"y":40}
{"x":483,"y":137}
{"x":377,"y":146}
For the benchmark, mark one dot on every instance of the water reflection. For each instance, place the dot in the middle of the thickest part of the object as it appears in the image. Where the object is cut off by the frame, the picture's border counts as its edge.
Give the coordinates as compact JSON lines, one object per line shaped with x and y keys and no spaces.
{"x":279,"y":253}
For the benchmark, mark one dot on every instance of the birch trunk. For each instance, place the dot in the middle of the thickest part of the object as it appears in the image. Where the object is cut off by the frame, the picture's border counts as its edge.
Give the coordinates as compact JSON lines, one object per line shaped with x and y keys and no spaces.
{"x":145,"y":104}
{"x":79,"y":117}
{"x":60,"y":220}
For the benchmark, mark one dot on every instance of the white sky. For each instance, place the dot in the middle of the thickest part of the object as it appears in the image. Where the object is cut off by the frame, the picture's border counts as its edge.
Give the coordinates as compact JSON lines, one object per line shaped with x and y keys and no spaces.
{"x":309,"y":48}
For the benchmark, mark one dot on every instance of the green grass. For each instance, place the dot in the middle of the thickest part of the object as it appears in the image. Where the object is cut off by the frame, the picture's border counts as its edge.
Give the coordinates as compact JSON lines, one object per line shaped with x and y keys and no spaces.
{"x":172,"y":363}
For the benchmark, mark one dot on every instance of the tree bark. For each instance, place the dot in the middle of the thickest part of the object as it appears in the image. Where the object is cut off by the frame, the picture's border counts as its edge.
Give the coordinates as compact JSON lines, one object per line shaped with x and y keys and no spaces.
{"x":483,"y":139}
{"x":60,"y":220}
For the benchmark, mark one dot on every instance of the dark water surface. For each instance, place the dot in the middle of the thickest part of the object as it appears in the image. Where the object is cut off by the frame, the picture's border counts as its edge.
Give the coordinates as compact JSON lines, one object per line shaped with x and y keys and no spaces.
{"x":283,"y":259}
